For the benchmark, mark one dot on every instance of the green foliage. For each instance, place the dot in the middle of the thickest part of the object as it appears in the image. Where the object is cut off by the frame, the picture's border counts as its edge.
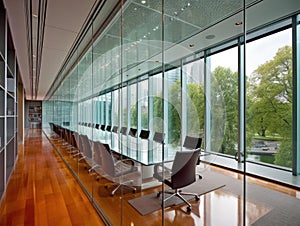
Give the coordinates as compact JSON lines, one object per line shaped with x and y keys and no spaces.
{"x":270,"y":111}
{"x":224,"y":110}
{"x":284,"y":156}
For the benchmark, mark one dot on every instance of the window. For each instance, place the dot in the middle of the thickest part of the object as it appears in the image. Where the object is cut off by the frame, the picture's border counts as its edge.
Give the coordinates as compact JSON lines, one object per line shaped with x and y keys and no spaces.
{"x":223,"y":104}
{"x":269,"y":99}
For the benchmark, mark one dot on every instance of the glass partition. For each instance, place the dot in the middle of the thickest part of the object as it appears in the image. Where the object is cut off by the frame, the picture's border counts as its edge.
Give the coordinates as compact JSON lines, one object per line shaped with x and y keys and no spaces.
{"x":163,"y":72}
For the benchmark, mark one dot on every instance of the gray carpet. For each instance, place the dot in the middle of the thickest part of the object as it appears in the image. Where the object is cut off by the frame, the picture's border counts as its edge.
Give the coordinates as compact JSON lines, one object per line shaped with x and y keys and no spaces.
{"x":284,"y":209}
{"x":150,"y":203}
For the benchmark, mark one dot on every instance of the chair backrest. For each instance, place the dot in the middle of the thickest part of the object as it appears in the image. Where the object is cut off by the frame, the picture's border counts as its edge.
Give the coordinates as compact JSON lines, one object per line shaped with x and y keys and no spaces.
{"x":192,"y":142}
{"x":123,"y":130}
{"x":184,"y":168}
{"x":115,"y":129}
{"x":87,"y":150}
{"x":108,"y":128}
{"x":78,"y":141}
{"x":144,"y":134}
{"x":102,"y":127}
{"x":132,"y":132}
{"x":107,"y":160}
{"x":51,"y":126}
{"x":97,"y":152}
{"x":159,"y":137}
{"x":97,"y":126}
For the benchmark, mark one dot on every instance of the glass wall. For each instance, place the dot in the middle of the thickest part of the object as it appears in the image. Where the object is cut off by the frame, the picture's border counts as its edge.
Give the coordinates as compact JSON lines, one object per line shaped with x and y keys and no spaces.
{"x":269,"y":98}
{"x":180,"y":69}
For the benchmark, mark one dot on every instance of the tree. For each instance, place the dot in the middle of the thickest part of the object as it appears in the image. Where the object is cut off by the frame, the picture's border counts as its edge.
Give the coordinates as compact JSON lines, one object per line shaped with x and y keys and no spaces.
{"x":271,"y":107}
{"x":224,"y":110}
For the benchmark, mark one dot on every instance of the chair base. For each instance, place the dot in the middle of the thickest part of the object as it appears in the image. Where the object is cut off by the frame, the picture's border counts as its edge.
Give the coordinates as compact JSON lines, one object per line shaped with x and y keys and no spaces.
{"x":179,"y":193}
{"x":125,"y":184}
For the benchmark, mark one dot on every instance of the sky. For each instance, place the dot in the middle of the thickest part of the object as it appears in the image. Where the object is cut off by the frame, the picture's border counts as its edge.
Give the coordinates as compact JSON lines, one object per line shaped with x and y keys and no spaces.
{"x":257,"y":52}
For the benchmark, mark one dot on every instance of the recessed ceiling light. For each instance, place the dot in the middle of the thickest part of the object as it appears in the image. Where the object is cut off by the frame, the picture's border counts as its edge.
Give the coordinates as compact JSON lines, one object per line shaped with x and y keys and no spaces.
{"x":210,"y":36}
{"x":239,"y":23}
{"x":143,"y":2}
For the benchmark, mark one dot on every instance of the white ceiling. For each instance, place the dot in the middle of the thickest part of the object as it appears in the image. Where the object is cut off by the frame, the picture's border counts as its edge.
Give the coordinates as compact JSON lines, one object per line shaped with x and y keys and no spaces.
{"x":64,"y":20}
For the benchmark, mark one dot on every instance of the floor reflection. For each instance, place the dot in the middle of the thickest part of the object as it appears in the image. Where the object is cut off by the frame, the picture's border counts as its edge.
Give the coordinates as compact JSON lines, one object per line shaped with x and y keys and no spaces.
{"x":219,"y":207}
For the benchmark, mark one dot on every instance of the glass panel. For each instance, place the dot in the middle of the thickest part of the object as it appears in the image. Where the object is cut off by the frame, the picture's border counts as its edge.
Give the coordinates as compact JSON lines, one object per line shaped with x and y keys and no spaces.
{"x":173,"y":98}
{"x":269,"y":98}
{"x":132,"y":138}
{"x":193,"y":97}
{"x":224,"y":102}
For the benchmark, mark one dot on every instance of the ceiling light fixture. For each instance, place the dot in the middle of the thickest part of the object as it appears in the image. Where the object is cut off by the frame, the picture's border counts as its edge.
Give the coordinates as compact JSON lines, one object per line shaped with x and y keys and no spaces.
{"x":239,"y":23}
{"x":210,"y":36}
{"x":143,"y":2}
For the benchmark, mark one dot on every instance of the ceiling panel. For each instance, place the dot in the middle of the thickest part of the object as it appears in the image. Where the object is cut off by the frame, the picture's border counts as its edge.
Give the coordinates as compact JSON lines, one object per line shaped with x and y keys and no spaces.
{"x":68,"y":14}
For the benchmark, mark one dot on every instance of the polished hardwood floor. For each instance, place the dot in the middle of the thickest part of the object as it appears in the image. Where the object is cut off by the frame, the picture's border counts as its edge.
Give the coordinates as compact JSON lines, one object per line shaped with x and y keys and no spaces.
{"x":41,"y":190}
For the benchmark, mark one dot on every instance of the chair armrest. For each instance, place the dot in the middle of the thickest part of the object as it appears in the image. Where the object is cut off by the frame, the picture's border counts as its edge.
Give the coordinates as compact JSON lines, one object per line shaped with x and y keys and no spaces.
{"x":124,"y":163}
{"x":161,"y":172}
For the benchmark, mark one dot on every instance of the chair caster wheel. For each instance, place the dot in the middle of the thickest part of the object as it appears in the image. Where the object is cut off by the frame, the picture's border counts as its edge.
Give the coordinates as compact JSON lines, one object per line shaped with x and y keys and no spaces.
{"x":189,"y":209}
{"x":158,"y":194}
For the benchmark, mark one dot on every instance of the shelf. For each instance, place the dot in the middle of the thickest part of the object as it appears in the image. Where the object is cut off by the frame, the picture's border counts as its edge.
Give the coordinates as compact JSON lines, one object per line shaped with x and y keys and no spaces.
{"x":2,"y":102}
{"x":8,"y":105}
{"x":2,"y":136}
{"x":2,"y":73}
{"x":2,"y":183}
{"x":2,"y":33}
{"x":10,"y":74}
{"x":9,"y":94}
{"x":10,"y":111}
{"x":10,"y":157}
{"x":10,"y":128}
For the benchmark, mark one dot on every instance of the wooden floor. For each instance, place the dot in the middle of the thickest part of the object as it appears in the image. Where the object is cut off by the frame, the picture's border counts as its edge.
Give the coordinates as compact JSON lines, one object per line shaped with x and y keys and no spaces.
{"x":42,"y":191}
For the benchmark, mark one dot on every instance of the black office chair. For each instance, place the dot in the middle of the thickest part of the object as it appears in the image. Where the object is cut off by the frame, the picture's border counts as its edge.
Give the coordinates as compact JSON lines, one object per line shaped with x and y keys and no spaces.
{"x":159,"y":137}
{"x":115,"y":129}
{"x":132,"y":132}
{"x":108,"y":128}
{"x":193,"y":143}
{"x":123,"y":130}
{"x":182,"y":174}
{"x":102,"y":127}
{"x":144,"y":134}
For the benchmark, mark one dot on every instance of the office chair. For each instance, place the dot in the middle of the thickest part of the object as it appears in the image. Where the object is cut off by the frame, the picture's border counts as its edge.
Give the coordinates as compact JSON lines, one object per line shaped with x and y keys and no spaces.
{"x":87,"y":153}
{"x":108,"y":128}
{"x":123,"y":131}
{"x":144,"y":134}
{"x":115,"y":129}
{"x":97,"y":158}
{"x":132,"y":132}
{"x":116,"y":170}
{"x":182,"y":174}
{"x":193,"y":143}
{"x":78,"y":144}
{"x":159,"y":137}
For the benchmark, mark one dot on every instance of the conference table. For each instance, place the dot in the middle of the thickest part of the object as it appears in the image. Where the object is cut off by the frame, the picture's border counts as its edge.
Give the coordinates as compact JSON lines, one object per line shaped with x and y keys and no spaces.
{"x":146,"y":153}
